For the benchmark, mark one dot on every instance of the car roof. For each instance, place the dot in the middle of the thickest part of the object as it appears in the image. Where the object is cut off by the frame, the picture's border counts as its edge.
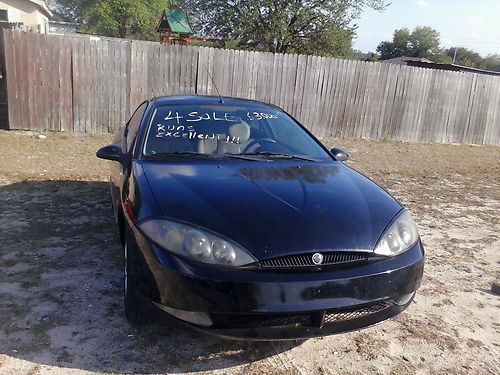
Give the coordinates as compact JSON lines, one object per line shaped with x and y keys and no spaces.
{"x":206,"y":99}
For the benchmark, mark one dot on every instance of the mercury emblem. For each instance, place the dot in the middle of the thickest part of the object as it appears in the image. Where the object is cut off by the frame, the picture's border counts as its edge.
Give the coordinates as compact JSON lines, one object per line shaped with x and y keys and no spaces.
{"x":317,"y":258}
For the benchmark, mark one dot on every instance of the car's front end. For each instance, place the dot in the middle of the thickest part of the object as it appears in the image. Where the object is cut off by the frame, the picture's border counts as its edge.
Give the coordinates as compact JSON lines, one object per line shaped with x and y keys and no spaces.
{"x":283,"y":298}
{"x":279,"y":264}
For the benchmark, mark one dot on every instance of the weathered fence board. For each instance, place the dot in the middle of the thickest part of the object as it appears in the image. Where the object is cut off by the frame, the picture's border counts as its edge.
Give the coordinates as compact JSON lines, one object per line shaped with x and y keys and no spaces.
{"x":84,"y":84}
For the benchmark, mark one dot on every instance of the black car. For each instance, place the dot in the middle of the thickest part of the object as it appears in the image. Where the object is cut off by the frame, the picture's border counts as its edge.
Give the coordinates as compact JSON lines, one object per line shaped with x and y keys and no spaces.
{"x":237,"y":221}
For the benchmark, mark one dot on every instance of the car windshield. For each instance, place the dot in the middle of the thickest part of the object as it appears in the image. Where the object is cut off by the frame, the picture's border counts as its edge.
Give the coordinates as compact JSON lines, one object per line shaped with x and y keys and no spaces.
{"x":249,"y":131}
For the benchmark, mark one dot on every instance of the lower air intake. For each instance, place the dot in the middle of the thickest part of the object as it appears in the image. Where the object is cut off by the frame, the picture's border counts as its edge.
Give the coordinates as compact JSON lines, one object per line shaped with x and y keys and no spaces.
{"x":297,"y":319}
{"x":335,"y":316}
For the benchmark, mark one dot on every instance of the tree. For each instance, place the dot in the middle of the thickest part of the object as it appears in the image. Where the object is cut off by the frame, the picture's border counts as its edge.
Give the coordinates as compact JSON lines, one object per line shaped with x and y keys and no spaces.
{"x":300,"y":26}
{"x":423,"y":41}
{"x":464,"y":57}
{"x":398,"y":47}
{"x":369,"y":56}
{"x":116,"y":18}
{"x":491,"y":62}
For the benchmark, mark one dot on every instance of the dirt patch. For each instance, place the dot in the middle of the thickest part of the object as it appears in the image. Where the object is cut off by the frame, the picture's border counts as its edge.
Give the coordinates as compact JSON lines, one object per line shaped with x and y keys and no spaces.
{"x":61,"y":265}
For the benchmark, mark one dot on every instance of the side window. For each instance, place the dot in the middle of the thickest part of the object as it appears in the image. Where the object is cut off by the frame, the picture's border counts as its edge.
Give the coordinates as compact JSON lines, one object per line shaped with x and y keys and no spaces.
{"x":133,"y":125}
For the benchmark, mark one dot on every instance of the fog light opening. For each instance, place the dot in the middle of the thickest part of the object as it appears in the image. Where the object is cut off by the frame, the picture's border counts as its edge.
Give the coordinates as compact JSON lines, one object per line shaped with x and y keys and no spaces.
{"x":194,"y":317}
{"x":403,"y":300}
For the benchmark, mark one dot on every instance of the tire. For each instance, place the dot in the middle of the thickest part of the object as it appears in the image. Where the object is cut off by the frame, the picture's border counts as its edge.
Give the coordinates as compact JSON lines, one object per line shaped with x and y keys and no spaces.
{"x":136,"y":309}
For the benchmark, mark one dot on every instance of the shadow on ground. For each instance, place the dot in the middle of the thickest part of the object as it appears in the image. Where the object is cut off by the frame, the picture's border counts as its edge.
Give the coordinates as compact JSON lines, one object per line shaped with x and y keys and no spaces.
{"x":61,"y":290}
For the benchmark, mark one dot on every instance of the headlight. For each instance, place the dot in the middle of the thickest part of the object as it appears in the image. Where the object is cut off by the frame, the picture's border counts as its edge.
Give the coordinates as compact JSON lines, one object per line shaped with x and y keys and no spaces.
{"x":195,"y":243}
{"x":399,"y":237}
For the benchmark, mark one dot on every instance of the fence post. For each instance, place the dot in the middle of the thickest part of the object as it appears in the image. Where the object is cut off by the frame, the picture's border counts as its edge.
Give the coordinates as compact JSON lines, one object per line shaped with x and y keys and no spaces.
{"x":4,"y":110}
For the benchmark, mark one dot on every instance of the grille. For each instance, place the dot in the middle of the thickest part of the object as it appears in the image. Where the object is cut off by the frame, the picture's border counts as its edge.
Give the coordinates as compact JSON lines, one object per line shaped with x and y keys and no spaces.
{"x":297,"y":320}
{"x":335,"y":316}
{"x":305,"y":260}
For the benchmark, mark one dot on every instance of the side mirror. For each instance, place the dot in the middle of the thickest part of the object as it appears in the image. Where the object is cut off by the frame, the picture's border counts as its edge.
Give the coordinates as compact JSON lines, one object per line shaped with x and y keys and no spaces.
{"x":110,"y":152}
{"x":339,"y":154}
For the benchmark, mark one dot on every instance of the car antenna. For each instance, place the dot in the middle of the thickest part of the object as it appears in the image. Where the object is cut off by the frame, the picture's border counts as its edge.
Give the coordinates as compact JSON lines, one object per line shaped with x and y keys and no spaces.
{"x":216,"y":89}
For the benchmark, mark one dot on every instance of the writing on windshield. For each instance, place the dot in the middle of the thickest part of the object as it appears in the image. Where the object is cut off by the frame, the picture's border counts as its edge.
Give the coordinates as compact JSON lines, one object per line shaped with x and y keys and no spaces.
{"x":221,"y":116}
{"x":188,"y":132}
{"x":177,"y":125}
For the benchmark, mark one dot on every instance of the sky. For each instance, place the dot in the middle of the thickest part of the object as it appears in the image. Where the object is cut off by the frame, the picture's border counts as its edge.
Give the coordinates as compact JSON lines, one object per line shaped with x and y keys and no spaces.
{"x":474,"y":24}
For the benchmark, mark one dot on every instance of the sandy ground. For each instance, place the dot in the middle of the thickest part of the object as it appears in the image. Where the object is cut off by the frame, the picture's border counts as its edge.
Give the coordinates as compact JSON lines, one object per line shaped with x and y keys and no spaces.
{"x":61,"y":269}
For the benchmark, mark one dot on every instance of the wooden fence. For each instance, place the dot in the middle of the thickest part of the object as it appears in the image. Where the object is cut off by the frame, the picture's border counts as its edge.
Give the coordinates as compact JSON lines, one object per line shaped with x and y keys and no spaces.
{"x":84,"y":84}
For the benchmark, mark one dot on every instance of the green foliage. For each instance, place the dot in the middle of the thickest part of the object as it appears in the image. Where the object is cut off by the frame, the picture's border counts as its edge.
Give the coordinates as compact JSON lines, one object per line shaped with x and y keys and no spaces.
{"x":464,"y":57}
{"x":490,"y":62}
{"x":116,"y":18}
{"x":399,"y":46}
{"x":369,"y":56}
{"x":285,"y":26}
{"x":470,"y":58}
{"x":441,"y":58}
{"x":423,"y":41}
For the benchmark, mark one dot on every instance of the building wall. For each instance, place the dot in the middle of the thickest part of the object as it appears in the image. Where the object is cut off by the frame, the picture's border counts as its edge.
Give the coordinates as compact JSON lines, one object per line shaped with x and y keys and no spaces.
{"x":28,"y":14}
{"x":62,"y":28}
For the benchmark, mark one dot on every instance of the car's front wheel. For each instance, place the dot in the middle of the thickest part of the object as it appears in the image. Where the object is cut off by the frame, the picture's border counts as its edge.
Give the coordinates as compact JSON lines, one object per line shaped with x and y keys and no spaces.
{"x":135,"y":309}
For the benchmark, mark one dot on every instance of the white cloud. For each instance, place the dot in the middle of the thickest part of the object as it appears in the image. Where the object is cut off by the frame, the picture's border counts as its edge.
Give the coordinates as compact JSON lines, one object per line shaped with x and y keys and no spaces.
{"x":474,"y":21}
{"x":423,"y":4}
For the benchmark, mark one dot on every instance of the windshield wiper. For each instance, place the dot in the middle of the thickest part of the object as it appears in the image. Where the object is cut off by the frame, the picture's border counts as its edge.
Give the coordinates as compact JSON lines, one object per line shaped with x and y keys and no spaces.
{"x":185,"y":154}
{"x":250,"y":156}
{"x":275,"y":155}
{"x":240,"y":156}
{"x":199,"y":155}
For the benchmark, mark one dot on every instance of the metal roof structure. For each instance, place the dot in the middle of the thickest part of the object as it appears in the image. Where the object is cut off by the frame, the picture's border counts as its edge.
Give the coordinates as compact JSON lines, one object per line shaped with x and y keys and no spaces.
{"x":421,"y":62}
{"x":404,"y":59}
{"x":175,"y":22}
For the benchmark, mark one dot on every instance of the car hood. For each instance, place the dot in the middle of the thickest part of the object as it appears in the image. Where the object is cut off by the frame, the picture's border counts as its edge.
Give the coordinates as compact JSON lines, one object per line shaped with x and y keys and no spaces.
{"x":275,"y":208}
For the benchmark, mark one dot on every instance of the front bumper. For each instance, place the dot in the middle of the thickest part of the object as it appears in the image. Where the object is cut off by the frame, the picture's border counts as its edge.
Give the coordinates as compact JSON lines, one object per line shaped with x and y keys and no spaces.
{"x":264,"y":305}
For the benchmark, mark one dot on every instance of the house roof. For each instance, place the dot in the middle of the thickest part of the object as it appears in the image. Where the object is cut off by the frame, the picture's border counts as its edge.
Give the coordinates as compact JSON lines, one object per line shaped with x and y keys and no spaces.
{"x":404,"y":59}
{"x":176,"y":21}
{"x":421,"y":62}
{"x":452,"y":67}
{"x":42,"y":6}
